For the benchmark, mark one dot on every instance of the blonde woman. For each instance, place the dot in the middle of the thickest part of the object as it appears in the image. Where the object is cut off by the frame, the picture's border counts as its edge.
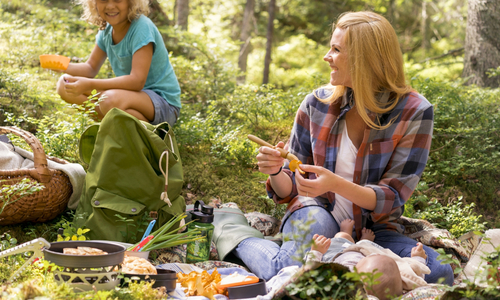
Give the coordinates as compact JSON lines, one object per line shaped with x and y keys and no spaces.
{"x":145,"y":85}
{"x":364,"y":141}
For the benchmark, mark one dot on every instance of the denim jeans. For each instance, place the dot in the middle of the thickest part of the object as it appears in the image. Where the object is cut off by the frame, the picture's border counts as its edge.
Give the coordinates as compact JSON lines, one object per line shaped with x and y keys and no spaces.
{"x":402,"y":245}
{"x":266,"y":258}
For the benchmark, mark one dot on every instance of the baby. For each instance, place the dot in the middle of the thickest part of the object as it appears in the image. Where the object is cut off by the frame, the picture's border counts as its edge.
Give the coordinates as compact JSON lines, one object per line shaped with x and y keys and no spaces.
{"x":367,"y":257}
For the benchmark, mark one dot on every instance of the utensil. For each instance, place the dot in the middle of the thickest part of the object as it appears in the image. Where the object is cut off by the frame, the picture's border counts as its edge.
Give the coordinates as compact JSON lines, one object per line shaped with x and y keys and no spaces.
{"x":294,"y":160}
{"x":148,"y":230}
{"x":142,"y":243}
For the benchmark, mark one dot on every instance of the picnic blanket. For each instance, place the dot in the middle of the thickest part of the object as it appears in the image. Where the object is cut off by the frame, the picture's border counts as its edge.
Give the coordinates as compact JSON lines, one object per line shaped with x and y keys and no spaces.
{"x":468,"y":250}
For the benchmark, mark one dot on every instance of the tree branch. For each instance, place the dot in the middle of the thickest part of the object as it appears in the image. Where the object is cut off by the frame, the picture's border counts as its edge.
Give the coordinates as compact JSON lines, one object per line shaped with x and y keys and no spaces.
{"x":454,"y":52}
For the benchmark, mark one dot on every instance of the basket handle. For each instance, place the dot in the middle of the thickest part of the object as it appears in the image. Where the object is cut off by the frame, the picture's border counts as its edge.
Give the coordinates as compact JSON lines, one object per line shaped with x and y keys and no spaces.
{"x":41,"y":171}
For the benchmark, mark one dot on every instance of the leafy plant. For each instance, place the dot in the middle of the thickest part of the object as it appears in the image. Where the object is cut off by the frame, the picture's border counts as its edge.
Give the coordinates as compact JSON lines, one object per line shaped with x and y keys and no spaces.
{"x":59,"y":133}
{"x":327,"y":282}
{"x":69,"y":232}
{"x":133,"y":228}
{"x":10,"y":194}
{"x":493,"y":72}
{"x":485,"y":282}
{"x":456,"y":217}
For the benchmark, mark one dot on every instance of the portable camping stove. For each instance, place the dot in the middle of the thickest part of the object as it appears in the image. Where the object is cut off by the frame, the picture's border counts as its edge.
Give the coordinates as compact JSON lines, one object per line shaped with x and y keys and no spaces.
{"x":81,"y":272}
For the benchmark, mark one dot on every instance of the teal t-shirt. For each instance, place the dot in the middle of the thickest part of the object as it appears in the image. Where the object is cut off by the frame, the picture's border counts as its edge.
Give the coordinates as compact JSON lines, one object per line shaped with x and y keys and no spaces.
{"x":161,"y":77}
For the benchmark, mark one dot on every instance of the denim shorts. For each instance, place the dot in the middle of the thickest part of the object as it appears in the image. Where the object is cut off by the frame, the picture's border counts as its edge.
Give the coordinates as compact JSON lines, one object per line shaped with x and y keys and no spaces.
{"x":164,"y":112}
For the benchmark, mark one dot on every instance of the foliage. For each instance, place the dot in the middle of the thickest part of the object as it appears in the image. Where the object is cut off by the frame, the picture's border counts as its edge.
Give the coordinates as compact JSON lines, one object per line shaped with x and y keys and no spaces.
{"x":69,"y":232}
{"x":218,"y":161}
{"x":133,"y":228}
{"x":485,"y":282}
{"x":59,"y":133}
{"x":325,"y":283}
{"x":465,"y":151}
{"x":456,"y":217}
{"x":494,"y":72}
{"x":10,"y":194}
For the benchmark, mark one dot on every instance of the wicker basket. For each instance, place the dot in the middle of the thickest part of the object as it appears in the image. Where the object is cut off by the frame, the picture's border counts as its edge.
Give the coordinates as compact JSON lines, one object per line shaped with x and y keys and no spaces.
{"x":43,"y":205}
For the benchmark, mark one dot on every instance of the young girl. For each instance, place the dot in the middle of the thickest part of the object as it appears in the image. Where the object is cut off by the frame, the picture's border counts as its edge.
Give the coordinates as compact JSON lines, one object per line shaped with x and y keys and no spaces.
{"x":145,"y":85}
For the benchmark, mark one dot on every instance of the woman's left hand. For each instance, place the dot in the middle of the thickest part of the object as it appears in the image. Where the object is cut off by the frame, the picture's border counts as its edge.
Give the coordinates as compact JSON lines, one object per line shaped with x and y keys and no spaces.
{"x":324,"y":181}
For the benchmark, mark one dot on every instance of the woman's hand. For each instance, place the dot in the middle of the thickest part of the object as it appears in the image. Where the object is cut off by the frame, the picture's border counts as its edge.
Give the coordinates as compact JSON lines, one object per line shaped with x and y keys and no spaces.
{"x":76,"y":85}
{"x":324,"y":182}
{"x":269,"y":160}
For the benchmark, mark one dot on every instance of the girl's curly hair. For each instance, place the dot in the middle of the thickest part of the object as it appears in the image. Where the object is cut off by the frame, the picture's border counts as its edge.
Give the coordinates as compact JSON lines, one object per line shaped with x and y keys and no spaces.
{"x":91,"y":15}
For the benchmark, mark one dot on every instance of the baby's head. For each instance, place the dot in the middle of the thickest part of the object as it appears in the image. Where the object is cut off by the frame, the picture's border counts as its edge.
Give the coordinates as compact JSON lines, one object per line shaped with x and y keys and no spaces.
{"x":391,"y":284}
{"x":90,"y":14}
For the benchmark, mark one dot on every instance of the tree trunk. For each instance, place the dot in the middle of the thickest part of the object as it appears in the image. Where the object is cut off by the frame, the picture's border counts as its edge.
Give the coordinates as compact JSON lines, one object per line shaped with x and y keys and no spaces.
{"x":424,"y":29}
{"x":269,"y":43}
{"x":482,"y":42}
{"x":245,"y":39}
{"x":182,"y":13}
{"x":157,"y":15}
{"x":391,"y":12}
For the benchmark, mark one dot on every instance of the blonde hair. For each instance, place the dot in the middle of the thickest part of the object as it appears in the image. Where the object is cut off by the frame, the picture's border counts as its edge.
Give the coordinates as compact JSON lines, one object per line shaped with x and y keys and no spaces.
{"x":375,"y":61}
{"x":91,"y":15}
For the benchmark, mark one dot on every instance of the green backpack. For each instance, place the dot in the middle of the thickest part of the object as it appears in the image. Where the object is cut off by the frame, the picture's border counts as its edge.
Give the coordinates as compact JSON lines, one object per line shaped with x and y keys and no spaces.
{"x":125,"y":181}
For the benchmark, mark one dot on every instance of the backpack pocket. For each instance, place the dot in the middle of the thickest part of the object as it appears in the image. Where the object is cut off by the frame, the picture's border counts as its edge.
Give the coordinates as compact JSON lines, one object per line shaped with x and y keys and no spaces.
{"x":126,"y":217}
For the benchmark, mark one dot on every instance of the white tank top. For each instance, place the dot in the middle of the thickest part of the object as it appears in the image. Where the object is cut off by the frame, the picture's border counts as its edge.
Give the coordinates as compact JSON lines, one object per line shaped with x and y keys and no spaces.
{"x":346,"y":160}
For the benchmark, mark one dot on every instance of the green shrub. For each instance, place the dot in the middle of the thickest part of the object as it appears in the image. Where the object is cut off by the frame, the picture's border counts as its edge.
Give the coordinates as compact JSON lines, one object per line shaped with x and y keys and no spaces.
{"x":465,"y":152}
{"x":457,"y":218}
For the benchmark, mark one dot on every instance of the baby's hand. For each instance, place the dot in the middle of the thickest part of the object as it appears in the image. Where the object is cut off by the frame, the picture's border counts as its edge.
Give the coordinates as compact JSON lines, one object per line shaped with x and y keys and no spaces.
{"x":418,"y":251}
{"x":321,"y":243}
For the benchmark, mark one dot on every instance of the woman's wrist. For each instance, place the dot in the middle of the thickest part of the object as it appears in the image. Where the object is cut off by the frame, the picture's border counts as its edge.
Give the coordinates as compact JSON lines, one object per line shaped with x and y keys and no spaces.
{"x":279,"y":171}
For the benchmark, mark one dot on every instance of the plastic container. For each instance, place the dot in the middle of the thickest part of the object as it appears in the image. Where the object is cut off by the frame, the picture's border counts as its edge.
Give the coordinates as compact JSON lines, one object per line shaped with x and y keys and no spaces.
{"x":240,"y":280}
{"x":199,"y":250}
{"x":54,"y":62}
{"x":142,"y":254}
{"x":166,"y":278}
{"x":247,"y":291}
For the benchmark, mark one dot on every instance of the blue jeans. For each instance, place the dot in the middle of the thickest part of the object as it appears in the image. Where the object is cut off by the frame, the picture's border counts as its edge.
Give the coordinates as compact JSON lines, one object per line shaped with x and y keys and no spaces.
{"x":402,"y":245}
{"x":266,"y":258}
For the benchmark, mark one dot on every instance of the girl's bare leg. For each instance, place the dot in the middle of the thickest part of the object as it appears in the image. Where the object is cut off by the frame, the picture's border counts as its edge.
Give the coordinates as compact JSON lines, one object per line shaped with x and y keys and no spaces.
{"x":138,"y":104}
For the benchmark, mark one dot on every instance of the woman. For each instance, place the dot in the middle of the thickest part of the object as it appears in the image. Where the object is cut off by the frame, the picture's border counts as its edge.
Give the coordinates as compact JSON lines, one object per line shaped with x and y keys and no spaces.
{"x":364,"y":141}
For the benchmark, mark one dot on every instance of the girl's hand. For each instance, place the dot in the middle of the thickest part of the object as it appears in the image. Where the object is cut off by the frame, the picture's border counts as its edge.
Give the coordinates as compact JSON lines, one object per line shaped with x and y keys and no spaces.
{"x":76,"y":85}
{"x":269,"y":160}
{"x":325,"y":180}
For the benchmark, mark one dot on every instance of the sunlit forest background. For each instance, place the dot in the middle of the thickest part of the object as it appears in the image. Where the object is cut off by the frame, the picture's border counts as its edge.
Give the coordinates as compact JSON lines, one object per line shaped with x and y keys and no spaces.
{"x":244,"y":67}
{"x":211,"y":42}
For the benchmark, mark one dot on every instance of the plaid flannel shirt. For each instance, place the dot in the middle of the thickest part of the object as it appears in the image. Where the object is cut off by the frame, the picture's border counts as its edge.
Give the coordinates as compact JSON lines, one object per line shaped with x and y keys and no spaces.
{"x":390,"y":161}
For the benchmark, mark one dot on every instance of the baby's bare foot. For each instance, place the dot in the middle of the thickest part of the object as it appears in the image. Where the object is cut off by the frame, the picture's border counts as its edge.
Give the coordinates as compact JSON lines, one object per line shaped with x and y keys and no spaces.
{"x":367,"y":234}
{"x":321,"y":243}
{"x":346,"y":226}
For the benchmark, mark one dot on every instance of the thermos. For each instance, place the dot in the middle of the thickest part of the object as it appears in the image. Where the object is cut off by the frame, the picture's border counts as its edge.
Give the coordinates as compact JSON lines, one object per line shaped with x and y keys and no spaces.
{"x":199,"y":250}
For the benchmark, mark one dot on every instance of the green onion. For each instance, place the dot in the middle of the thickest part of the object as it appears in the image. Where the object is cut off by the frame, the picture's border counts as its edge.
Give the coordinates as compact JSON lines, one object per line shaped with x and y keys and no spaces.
{"x":163,"y":239}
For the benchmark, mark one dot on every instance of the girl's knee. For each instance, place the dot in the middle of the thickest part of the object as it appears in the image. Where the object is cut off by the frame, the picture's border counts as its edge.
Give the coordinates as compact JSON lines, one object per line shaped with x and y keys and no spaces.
{"x":108,"y":101}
